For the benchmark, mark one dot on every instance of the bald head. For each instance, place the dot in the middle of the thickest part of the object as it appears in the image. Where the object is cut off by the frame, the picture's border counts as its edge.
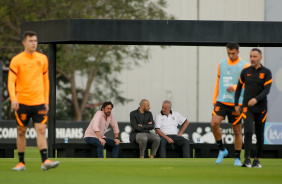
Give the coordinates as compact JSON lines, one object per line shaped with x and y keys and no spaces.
{"x":143,"y":102}
{"x":144,"y":105}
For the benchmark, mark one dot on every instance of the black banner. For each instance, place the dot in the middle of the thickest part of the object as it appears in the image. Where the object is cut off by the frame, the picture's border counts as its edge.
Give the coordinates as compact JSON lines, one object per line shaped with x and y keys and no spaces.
{"x":74,"y":132}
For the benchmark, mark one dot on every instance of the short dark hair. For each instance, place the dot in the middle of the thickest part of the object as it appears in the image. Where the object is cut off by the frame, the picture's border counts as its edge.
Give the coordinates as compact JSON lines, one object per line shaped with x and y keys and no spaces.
{"x":258,"y":50}
{"x":232,"y":45}
{"x":105,"y":104}
{"x":28,"y":33}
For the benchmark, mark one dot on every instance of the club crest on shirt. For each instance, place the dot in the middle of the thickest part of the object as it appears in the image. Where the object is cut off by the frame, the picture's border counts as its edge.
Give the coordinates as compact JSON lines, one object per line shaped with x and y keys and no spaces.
{"x":261,"y":75}
{"x":38,"y":63}
{"x":245,"y":109}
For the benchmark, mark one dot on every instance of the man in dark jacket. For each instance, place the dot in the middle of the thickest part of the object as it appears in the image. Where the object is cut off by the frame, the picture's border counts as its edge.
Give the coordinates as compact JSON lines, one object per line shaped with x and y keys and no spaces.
{"x":142,"y":122}
{"x":257,"y":80}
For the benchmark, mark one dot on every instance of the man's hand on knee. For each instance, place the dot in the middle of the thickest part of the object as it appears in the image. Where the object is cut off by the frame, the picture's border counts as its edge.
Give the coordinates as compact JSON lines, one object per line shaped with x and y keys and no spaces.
{"x":103,"y":141}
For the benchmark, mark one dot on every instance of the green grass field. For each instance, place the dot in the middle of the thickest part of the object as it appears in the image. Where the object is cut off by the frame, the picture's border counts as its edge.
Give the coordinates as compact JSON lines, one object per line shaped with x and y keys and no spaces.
{"x":134,"y":171}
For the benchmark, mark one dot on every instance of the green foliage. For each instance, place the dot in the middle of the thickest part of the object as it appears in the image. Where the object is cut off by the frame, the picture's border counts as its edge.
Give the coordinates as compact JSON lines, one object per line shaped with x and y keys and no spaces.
{"x":99,"y":64}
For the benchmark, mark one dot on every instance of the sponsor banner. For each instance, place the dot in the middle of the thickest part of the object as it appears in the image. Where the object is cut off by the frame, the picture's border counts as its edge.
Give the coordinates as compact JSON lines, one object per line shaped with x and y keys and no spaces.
{"x":273,"y":133}
{"x":74,"y":132}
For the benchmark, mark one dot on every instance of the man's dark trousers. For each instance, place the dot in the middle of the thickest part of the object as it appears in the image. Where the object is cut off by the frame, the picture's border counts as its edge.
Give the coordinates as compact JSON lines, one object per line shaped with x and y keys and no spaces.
{"x":179,"y":141}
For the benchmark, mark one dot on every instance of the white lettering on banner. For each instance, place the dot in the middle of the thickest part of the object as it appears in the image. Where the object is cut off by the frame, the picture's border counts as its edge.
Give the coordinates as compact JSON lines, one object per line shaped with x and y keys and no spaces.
{"x":80,"y":133}
{"x":60,"y":132}
{"x":30,"y":133}
{"x":206,"y":136}
{"x":254,"y":139}
{"x":72,"y":133}
{"x":227,"y":131}
{"x":8,"y":133}
{"x":275,"y":135}
{"x":229,"y":139}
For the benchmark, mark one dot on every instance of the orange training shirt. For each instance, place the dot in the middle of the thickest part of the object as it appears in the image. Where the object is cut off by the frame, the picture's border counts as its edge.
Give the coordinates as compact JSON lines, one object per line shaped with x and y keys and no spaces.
{"x":28,"y":80}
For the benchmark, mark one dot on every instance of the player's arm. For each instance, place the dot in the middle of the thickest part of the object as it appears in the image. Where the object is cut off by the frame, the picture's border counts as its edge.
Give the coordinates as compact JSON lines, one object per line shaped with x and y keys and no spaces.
{"x":160,"y":133}
{"x":238,"y":92}
{"x":117,"y":141}
{"x":184,"y":127}
{"x":96,"y":120}
{"x":12,"y":79}
{"x":46,"y":90}
{"x":267,"y":85}
{"x":216,"y":88}
{"x":46,"y":84}
{"x":115,"y":127}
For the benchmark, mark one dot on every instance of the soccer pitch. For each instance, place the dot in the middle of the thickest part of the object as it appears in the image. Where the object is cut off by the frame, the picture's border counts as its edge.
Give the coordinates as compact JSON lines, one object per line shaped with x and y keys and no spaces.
{"x":145,"y":171}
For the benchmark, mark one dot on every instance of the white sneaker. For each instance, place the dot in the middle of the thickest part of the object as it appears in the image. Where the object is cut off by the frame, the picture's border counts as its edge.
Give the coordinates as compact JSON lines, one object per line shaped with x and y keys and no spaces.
{"x":19,"y":167}
{"x":49,"y":164}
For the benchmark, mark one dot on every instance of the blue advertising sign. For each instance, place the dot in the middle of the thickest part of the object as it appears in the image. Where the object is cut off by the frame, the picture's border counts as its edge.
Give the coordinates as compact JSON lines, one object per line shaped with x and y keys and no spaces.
{"x":273,"y":133}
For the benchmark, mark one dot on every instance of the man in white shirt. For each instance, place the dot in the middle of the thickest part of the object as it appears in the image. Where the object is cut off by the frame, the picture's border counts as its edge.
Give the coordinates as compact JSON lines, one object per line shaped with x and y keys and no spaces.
{"x":166,"y":123}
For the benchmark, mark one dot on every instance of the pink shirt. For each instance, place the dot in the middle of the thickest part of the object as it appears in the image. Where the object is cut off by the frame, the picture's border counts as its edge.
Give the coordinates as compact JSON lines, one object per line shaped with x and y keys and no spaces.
{"x":100,"y":124}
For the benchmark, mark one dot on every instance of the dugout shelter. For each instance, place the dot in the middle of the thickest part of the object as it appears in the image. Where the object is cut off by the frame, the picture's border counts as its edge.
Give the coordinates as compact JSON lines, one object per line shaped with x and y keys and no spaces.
{"x":145,"y":32}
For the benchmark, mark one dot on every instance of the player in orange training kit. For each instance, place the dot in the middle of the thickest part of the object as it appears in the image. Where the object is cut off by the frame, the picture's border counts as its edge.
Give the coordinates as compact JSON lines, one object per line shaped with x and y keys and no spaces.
{"x":28,"y":85}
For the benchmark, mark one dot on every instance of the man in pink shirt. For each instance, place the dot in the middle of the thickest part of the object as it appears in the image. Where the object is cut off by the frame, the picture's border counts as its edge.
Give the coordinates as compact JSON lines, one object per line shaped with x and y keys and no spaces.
{"x":95,"y":133}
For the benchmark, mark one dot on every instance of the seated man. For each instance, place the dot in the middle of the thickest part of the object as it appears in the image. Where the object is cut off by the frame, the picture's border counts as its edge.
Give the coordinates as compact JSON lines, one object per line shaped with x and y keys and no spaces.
{"x":166,"y":126}
{"x":95,"y":133}
{"x":141,"y":121}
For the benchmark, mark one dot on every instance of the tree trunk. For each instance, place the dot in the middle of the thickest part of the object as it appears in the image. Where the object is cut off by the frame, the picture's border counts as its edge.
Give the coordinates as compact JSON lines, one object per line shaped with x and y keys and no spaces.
{"x":77,"y":112}
{"x":87,"y":90}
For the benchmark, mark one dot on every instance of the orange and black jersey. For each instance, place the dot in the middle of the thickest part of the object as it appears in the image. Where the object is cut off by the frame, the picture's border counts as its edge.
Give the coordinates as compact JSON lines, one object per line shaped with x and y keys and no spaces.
{"x":28,"y":80}
{"x":257,"y":85}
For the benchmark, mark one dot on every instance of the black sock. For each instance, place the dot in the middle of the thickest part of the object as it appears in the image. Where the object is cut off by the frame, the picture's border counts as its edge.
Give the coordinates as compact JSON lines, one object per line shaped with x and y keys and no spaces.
{"x":43,"y":155}
{"x":237,"y":153}
{"x":220,"y":145}
{"x":21,"y":157}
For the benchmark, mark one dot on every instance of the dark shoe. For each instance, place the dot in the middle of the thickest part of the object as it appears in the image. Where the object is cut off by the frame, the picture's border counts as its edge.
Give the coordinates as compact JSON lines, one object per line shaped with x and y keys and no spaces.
{"x":256,"y":163}
{"x":247,"y":163}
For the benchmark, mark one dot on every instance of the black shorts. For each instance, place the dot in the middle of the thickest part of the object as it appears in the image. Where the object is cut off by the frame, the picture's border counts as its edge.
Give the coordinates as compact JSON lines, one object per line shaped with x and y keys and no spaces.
{"x":225,"y":110}
{"x":36,"y":112}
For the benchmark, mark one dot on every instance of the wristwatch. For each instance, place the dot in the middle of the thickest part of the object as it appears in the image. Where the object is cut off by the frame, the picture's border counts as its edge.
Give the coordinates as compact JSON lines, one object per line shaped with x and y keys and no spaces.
{"x":117,"y":138}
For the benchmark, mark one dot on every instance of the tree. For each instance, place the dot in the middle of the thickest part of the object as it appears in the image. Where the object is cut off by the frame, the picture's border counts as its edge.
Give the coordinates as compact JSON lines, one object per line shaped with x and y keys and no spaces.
{"x":97,"y":63}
